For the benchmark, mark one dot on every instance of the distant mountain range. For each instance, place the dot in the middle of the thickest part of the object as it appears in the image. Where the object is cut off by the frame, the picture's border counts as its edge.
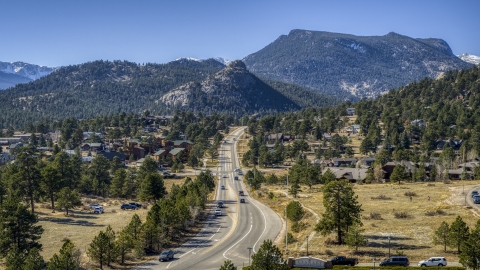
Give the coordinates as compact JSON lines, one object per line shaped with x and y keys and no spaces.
{"x":351,"y":67}
{"x":470,"y":58}
{"x":13,"y":73}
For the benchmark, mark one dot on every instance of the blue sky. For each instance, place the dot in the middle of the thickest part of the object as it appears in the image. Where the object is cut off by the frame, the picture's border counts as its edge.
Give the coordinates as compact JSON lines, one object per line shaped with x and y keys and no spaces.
{"x":59,"y":33}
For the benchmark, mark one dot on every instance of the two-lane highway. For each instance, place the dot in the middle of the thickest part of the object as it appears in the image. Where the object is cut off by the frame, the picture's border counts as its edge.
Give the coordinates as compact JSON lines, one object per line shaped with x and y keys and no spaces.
{"x":227,"y":237}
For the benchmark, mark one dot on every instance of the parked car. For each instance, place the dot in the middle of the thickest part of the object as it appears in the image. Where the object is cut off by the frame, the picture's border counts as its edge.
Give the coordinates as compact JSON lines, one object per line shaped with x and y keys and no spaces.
{"x":242,"y":200}
{"x":396,"y":261}
{"x":236,"y":178}
{"x":166,"y":173}
{"x":342,"y":260}
{"x":98,"y":210}
{"x":218,"y":212}
{"x":136,"y":204}
{"x":220,"y":204}
{"x":433,"y":261}
{"x":166,"y":255}
{"x":240,"y":193}
{"x":476,"y":199}
{"x":222,"y":187}
{"x":93,"y":205}
{"x":127,"y":206}
{"x":475,"y":193}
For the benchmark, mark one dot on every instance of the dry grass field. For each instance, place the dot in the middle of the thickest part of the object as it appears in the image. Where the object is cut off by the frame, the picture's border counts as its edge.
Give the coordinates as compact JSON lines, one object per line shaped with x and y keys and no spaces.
{"x":411,"y":236}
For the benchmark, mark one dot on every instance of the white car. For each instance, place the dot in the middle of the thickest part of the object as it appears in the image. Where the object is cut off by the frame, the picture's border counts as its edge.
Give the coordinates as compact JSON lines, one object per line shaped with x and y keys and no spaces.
{"x":98,"y":210}
{"x":224,"y":176}
{"x":433,"y":261}
{"x":218,"y":212}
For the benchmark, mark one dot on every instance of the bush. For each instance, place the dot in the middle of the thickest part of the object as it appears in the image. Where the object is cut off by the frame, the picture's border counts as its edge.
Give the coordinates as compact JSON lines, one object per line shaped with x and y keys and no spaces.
{"x":298,"y":226}
{"x":295,"y":211}
{"x":271,"y":195}
{"x":381,"y":197}
{"x":376,"y":216}
{"x":439,"y":212}
{"x":329,"y":252}
{"x":290,"y":238}
{"x":430,"y":185}
{"x":329,"y":242}
{"x":410,"y":194}
{"x":401,"y":215}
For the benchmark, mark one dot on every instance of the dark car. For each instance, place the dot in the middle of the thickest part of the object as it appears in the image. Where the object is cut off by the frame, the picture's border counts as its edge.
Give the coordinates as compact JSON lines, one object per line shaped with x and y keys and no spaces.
{"x":220,"y":204}
{"x":476,"y":199}
{"x":236,"y":178}
{"x":396,"y":261}
{"x":342,"y":260}
{"x":166,"y":255}
{"x":136,"y":204}
{"x":127,"y":206}
{"x":240,"y":193}
{"x":474,"y":193}
{"x":242,"y":200}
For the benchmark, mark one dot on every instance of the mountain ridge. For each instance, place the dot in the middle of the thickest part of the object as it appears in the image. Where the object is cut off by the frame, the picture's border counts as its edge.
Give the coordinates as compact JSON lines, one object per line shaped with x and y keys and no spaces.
{"x":13,"y":73}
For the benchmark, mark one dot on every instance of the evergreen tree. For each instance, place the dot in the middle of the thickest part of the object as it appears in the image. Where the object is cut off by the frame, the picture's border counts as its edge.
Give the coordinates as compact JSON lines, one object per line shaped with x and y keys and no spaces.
{"x":67,"y":259}
{"x":355,"y":238}
{"x":268,"y":258}
{"x":294,"y":189}
{"x":458,"y":234}
{"x":152,"y":187}
{"x":228,"y":265}
{"x":102,"y":248}
{"x":115,"y":164}
{"x":433,"y":173}
{"x":118,"y":182}
{"x":441,"y":235}
{"x":295,"y":211}
{"x":18,"y":229}
{"x":328,"y":176}
{"x":28,"y":178}
{"x":470,"y":256}
{"x":100,"y":175}
{"x":398,"y":174}
{"x":34,"y":261}
{"x":51,"y":183}
{"x":68,"y":199}
{"x":124,"y":244}
{"x":342,"y":209}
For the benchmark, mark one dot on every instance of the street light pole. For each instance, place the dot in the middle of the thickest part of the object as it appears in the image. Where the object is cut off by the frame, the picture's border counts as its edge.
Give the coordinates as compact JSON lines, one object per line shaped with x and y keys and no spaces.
{"x":286,"y":233}
{"x":307,"y":245}
{"x":249,"y":252}
{"x":389,"y":246}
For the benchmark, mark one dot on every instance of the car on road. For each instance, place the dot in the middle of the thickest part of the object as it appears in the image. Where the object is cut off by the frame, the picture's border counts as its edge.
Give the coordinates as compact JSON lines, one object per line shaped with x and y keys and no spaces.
{"x":224,"y":176}
{"x":236,"y":178}
{"x":166,"y":173}
{"x":396,"y":261}
{"x":242,"y":200}
{"x":225,"y":141}
{"x":218,"y":212}
{"x":475,"y":193}
{"x":476,"y":199}
{"x":240,"y":193}
{"x":240,"y":173}
{"x":127,"y":206}
{"x":220,"y":204}
{"x":166,"y":255}
{"x":342,"y":260}
{"x":222,"y":187}
{"x":98,"y":210}
{"x":433,"y":261}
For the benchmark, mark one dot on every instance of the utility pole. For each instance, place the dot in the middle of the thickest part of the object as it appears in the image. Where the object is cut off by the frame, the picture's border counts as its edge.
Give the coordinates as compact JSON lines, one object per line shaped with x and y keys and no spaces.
{"x":286,"y":230}
{"x":249,"y":256}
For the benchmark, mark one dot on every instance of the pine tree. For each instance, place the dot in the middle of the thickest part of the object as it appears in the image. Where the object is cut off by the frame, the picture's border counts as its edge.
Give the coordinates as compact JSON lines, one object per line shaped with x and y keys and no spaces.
{"x":34,"y":260}
{"x":152,"y":187}
{"x":355,"y":238}
{"x":268,"y":257}
{"x":67,"y":259}
{"x":18,"y":229}
{"x":441,"y":236}
{"x":342,"y":209}
{"x":470,"y":256}
{"x":124,"y":244}
{"x":398,"y":174}
{"x":228,"y":265}
{"x":68,"y":199}
{"x":51,"y":182}
{"x":295,"y":211}
{"x":294,"y":189}
{"x":459,"y":233}
{"x":118,"y":182}
{"x":98,"y":249}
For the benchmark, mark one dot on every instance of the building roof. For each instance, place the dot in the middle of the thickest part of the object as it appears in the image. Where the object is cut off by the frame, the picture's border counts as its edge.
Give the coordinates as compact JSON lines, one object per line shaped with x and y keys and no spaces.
{"x":348,"y":173}
{"x":175,"y":151}
{"x":111,"y":155}
{"x":159,"y":152}
{"x":178,"y":142}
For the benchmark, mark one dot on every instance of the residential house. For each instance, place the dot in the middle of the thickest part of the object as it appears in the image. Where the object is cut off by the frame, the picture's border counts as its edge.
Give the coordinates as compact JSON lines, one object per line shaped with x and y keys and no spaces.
{"x":350,"y":111}
{"x":138,"y":152}
{"x":5,"y":157}
{"x":418,"y":122}
{"x":327,"y":137}
{"x":111,"y":155}
{"x":389,"y":166}
{"x":287,"y":138}
{"x":275,"y":137}
{"x":337,"y":162}
{"x":139,"y":162}
{"x":160,"y":154}
{"x":367,"y":162}
{"x":354,"y":129}
{"x":176,"y":154}
{"x":92,"y":147}
{"x":186,"y":145}
{"x":353,"y":175}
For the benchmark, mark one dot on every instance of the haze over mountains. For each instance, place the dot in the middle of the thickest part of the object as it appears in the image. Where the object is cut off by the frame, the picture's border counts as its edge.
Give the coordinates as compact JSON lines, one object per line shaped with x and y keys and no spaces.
{"x":350,"y":67}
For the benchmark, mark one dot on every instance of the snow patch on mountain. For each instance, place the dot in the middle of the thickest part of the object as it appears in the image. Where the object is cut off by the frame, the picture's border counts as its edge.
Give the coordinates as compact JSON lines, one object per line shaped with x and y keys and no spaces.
{"x":30,"y":71}
{"x":470,"y":58}
{"x":189,"y":58}
{"x":222,"y":60}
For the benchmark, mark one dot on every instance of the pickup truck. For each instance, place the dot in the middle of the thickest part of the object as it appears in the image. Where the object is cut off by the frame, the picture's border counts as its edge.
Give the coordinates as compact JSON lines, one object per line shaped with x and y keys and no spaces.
{"x":342,"y":260}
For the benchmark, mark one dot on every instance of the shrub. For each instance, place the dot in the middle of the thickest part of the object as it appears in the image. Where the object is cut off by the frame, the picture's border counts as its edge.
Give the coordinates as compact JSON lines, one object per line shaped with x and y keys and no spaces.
{"x":271,"y":195}
{"x":401,"y":215}
{"x":298,"y":226}
{"x":329,"y":252}
{"x":381,"y":197}
{"x":430,"y":185}
{"x":376,"y":216}
{"x":410,"y":194}
{"x":430,"y":213}
{"x":439,"y":212}
{"x":329,"y":242}
{"x":114,"y":211}
{"x":290,"y":238}
{"x":295,"y":211}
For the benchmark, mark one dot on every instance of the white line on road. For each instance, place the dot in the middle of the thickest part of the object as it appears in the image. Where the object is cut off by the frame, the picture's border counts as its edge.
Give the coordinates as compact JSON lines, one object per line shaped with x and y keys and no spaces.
{"x":265,"y":221}
{"x":251,"y":226}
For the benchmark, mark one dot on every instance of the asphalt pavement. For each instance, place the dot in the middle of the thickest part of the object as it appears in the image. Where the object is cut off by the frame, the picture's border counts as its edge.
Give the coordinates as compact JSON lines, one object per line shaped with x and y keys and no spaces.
{"x":235,"y":235}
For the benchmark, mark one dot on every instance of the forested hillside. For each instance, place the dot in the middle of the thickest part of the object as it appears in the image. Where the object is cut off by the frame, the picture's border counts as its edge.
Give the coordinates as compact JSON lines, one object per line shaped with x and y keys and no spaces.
{"x":235,"y":91}
{"x":351,"y":67}
{"x":97,"y":88}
